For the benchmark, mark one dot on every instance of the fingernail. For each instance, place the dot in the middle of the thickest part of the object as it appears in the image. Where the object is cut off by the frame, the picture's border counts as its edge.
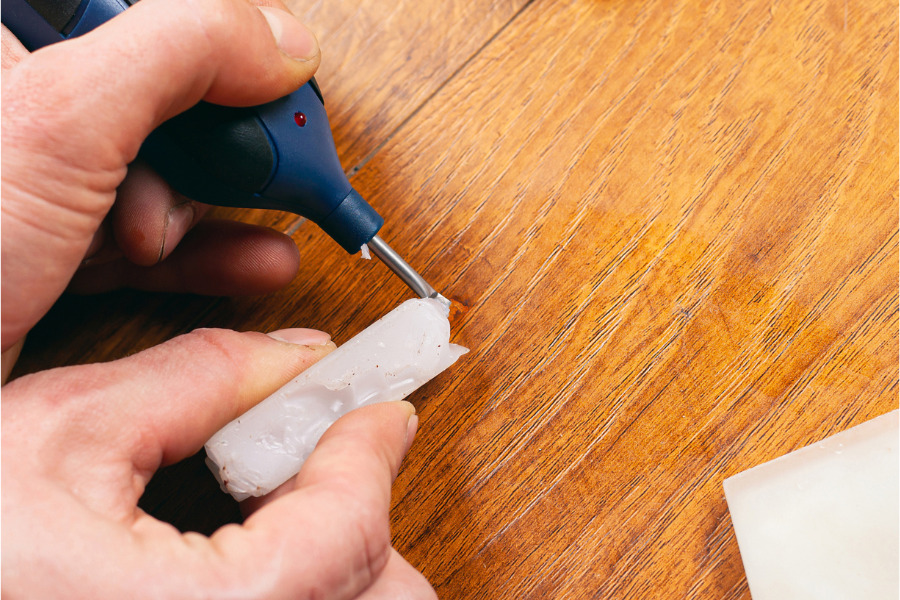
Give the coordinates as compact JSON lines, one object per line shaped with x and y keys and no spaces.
{"x":412,"y":425}
{"x":300,"y":336}
{"x":292,"y":37}
{"x":178,"y":221}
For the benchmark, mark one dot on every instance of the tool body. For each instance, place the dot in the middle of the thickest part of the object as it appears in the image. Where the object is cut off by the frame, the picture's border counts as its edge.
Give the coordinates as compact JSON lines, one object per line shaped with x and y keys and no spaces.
{"x":279,"y":155}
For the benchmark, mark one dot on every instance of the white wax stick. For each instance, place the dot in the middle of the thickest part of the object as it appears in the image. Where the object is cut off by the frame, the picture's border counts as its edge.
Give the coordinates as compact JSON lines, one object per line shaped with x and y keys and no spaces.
{"x":821,"y":523}
{"x":267,"y":445}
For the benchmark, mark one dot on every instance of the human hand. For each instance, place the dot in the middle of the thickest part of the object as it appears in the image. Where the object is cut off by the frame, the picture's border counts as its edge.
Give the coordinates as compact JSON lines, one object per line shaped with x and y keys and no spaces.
{"x":74,"y":116}
{"x":80,"y":443}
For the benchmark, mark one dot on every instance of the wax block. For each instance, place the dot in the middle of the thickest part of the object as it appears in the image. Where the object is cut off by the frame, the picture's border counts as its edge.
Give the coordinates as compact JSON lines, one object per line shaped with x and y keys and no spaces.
{"x":822,"y":522}
{"x":387,"y":361}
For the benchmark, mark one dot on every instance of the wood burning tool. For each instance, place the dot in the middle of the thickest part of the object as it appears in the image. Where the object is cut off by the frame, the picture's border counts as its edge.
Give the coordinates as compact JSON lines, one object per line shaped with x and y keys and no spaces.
{"x":279,"y":155}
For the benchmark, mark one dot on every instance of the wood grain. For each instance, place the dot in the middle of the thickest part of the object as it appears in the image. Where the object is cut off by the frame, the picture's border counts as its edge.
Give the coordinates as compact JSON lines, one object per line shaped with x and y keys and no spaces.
{"x":674,"y":227}
{"x":380,"y":62}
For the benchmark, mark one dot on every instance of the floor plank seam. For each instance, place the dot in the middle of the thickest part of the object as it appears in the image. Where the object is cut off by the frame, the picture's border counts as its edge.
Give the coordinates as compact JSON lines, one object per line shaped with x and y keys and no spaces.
{"x":362,"y":163}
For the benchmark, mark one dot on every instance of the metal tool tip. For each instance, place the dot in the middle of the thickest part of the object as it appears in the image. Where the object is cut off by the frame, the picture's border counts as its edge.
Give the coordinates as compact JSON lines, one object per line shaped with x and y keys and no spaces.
{"x":405,"y":272}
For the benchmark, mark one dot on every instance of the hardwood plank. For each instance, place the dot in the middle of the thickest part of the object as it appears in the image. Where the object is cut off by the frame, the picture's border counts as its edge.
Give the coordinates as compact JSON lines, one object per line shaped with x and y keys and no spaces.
{"x":381,"y":60}
{"x":678,"y":244}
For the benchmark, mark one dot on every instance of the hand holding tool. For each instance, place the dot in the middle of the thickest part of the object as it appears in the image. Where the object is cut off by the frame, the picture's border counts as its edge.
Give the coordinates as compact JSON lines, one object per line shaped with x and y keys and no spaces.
{"x":279,"y":155}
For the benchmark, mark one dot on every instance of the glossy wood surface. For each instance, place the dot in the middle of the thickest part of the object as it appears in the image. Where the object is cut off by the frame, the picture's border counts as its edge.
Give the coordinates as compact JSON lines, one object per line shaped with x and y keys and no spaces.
{"x":673,"y":227}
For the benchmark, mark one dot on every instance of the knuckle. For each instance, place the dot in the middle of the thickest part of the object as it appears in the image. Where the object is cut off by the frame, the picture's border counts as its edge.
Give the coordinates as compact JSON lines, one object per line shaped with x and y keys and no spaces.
{"x":215,"y":338}
{"x":221,"y":349}
{"x":213,"y":22}
{"x":35,"y":108}
{"x":42,"y":98}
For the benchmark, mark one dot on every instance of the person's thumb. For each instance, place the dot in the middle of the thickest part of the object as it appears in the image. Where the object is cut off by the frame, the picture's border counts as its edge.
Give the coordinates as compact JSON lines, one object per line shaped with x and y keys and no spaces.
{"x":74,"y":114}
{"x":339,"y":505}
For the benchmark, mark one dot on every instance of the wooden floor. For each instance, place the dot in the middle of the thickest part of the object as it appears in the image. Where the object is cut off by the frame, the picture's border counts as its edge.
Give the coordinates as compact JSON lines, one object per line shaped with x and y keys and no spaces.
{"x":674,"y":228}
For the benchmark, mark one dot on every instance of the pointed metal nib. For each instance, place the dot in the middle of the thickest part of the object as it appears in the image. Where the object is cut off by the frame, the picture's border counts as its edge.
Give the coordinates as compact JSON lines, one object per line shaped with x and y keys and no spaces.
{"x":406,"y":273}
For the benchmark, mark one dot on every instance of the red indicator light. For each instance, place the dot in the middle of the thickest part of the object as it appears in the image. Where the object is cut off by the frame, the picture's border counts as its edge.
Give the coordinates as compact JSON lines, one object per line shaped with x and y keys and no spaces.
{"x":299,"y":119}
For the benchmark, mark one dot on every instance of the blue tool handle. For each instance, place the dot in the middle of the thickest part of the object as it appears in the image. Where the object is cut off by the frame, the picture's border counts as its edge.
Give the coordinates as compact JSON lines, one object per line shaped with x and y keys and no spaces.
{"x":279,"y":155}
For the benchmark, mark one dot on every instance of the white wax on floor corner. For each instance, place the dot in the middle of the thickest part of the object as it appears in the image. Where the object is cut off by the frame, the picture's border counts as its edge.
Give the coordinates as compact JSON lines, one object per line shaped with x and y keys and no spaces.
{"x":822,"y":522}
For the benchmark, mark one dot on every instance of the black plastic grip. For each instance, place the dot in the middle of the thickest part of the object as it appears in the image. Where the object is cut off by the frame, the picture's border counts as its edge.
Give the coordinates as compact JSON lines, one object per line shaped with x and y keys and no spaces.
{"x":57,"y":13}
{"x":229,"y":144}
